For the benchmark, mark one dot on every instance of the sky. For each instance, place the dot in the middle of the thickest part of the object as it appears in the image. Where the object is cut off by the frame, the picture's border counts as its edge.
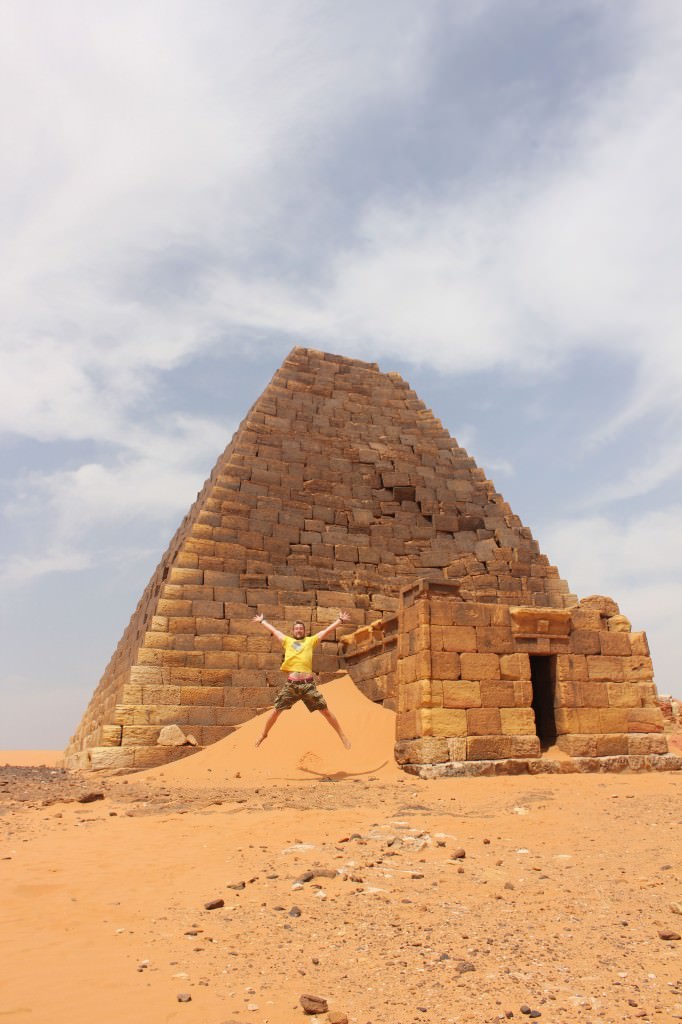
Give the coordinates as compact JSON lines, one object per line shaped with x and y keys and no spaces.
{"x":484,"y":197}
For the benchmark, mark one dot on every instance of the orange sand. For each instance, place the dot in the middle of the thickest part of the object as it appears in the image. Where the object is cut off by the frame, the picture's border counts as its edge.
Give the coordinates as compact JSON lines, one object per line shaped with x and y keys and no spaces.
{"x":301,"y":746}
{"x":31,"y":758}
{"x":558,"y":904}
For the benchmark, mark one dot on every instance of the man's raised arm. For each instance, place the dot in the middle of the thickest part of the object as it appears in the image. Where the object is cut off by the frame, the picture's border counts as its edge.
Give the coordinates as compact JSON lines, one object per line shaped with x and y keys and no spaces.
{"x":343,"y":617}
{"x":270,"y":628}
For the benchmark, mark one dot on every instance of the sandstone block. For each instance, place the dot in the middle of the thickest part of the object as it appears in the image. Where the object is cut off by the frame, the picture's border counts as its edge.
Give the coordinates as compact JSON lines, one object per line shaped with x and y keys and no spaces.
{"x":173,"y":608}
{"x":145,"y":674}
{"x":566,"y":720}
{"x":480,"y":666}
{"x":190,"y":659}
{"x":639,"y":744}
{"x":457,"y":748}
{"x":429,"y":693}
{"x":595,"y":694}
{"x":623,"y":695}
{"x":182,"y":624}
{"x":639,"y":644}
{"x":139,"y":735}
{"x":517,"y":721}
{"x":612,"y":745}
{"x":571,"y":667}
{"x":498,"y":693}
{"x":164,"y":714}
{"x":500,"y":615}
{"x":444,"y":665}
{"x":187,"y":576}
{"x":585,"y":641}
{"x":515,"y":666}
{"x":494,"y":639}
{"x":525,"y":746}
{"x":214,"y":578}
{"x":233,"y":716}
{"x":224,"y":659}
{"x":483,"y":748}
{"x":427,"y":750}
{"x":528,"y":621}
{"x":644,"y":720}
{"x":208,"y":609}
{"x":568,"y":694}
{"x":459,"y":639}
{"x":165,"y":694}
{"x":589,"y":720}
{"x":407,"y":725}
{"x":587,"y":619}
{"x":470,"y":614}
{"x":346,"y":552}
{"x":442,"y":722}
{"x":613,"y":720}
{"x":171,"y":736}
{"x":213,"y":733}
{"x":523,"y":693}
{"x":419,"y":640}
{"x":483,"y":721}
{"x":209,"y":696}
{"x":257,"y":696}
{"x":461,"y":693}
{"x":638,"y":669}
{"x":618,"y":624}
{"x":334,"y":599}
{"x":615,"y":643}
{"x":111,"y":758}
{"x":578,"y":746}
{"x":110,"y":735}
{"x":152,"y":757}
{"x":407,"y":671}
{"x":415,"y":615}
{"x":604,"y":605}
{"x":604,"y":669}
{"x":200,"y":715}
{"x":442,"y":611}
{"x":648,"y":695}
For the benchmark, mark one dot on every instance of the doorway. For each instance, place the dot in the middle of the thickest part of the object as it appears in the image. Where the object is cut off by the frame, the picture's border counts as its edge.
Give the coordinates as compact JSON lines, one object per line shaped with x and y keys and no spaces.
{"x":543,"y":679}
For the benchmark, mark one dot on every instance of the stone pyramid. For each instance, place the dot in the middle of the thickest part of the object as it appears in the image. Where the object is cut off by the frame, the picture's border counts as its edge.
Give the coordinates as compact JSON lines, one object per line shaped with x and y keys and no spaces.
{"x":338,"y":489}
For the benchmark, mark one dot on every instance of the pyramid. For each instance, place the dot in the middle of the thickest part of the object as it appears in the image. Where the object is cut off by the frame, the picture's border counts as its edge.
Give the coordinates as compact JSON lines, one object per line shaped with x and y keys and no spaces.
{"x":338,"y":490}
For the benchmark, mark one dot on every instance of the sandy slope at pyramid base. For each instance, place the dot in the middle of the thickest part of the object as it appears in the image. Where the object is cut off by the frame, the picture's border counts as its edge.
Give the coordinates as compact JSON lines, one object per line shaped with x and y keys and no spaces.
{"x":301,"y":746}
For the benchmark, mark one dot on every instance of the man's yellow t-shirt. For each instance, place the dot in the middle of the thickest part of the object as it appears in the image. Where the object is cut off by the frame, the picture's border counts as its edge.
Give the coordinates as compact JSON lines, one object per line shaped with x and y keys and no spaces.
{"x":298,"y":654}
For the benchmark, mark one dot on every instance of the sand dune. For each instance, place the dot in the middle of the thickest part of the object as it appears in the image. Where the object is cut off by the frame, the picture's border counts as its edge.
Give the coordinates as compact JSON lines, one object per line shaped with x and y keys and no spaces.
{"x":397,"y":899}
{"x":301,"y":746}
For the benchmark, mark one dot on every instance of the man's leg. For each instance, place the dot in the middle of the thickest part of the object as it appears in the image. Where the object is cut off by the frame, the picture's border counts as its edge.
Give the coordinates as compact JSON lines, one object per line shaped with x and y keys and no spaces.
{"x":268,"y":726}
{"x":334,"y":722}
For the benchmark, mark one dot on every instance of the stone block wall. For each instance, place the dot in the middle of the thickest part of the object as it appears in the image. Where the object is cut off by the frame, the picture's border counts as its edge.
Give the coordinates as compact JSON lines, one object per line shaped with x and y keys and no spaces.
{"x":482,"y":682}
{"x":338,"y":489}
{"x":370,"y":656}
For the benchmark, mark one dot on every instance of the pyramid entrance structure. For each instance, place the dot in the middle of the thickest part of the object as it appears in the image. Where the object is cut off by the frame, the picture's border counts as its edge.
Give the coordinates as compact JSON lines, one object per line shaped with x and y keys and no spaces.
{"x":341,"y":490}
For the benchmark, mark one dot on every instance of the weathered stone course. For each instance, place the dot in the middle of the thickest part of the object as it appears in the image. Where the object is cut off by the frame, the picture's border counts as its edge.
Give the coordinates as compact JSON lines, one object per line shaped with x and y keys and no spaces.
{"x":341,"y":490}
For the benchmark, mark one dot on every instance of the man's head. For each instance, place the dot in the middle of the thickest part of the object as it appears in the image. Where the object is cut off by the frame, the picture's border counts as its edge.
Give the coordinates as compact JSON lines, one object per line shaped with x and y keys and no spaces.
{"x":298,"y":629}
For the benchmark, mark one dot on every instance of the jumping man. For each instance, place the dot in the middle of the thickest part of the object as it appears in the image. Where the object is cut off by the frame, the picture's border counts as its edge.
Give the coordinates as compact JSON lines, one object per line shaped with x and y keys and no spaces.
{"x":300,"y":684}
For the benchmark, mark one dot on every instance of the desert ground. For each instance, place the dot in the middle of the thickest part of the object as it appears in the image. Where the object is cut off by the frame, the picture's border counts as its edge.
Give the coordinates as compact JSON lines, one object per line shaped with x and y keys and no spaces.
{"x":336,"y":875}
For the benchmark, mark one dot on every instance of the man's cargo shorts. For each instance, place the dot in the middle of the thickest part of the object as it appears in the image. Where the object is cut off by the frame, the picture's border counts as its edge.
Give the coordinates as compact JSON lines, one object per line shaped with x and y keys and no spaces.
{"x":300,"y":689}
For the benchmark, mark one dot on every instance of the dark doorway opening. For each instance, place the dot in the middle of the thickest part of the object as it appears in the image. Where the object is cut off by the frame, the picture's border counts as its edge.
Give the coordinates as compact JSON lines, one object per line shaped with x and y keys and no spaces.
{"x":543,"y":678}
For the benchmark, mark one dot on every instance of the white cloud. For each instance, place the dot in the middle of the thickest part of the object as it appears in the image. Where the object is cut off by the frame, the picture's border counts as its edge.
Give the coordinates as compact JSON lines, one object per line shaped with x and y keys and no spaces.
{"x":579,"y":250}
{"x":154,"y":479}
